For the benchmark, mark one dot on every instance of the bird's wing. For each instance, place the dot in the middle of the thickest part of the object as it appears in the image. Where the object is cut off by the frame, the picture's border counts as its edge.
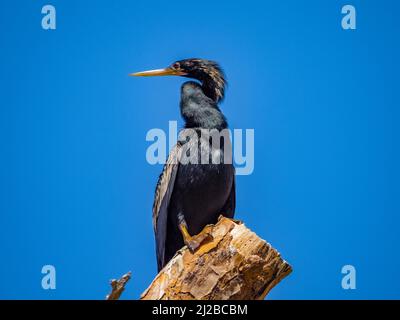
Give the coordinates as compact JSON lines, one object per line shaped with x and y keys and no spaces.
{"x":165,"y":186}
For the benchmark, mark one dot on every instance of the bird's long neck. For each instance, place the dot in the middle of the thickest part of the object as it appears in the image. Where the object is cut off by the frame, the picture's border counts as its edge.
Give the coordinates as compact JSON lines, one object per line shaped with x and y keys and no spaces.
{"x":198,"y":110}
{"x":211,"y":76}
{"x":213,"y":88}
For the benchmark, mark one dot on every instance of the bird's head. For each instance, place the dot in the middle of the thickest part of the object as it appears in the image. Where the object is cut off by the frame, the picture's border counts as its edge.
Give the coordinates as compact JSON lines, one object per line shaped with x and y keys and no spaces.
{"x":209,"y":73}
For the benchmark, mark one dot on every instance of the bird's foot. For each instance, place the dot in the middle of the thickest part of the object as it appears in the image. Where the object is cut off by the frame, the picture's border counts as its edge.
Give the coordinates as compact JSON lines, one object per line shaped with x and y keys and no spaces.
{"x":195,"y":242}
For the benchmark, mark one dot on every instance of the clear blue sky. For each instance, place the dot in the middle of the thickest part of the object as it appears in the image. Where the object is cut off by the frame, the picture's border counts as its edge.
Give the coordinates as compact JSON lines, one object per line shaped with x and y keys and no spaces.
{"x":75,"y":188}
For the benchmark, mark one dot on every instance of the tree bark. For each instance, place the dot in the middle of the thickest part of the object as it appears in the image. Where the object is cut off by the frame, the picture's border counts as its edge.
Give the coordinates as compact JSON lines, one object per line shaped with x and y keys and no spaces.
{"x":235,"y":264}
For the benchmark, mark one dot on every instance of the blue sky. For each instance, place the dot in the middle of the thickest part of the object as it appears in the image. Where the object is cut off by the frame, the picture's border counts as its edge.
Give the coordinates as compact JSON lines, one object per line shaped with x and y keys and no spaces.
{"x":75,"y":188}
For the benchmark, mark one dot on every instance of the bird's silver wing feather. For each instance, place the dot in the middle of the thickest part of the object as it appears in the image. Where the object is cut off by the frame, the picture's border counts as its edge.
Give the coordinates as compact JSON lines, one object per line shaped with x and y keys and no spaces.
{"x":165,"y":186}
{"x":164,"y":181}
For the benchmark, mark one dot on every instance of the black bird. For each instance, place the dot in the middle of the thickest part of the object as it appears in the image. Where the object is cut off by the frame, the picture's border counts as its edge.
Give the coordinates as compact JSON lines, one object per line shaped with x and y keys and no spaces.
{"x":189,"y":194}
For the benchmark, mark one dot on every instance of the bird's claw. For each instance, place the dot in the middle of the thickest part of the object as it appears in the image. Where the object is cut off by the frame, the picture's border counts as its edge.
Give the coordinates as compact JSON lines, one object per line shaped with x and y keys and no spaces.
{"x":198,"y":240}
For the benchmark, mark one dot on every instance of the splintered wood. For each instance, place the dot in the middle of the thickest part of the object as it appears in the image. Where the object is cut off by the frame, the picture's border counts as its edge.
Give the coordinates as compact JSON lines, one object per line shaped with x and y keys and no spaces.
{"x":235,"y":264}
{"x":118,"y":286}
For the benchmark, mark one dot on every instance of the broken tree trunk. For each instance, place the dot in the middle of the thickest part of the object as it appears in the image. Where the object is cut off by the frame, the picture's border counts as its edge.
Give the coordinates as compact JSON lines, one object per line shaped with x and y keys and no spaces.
{"x":236,"y":264}
{"x":118,"y":286}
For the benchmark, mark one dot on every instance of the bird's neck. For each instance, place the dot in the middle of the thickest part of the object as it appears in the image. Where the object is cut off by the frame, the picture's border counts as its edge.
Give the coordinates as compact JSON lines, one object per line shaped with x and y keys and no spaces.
{"x":199,"y":111}
{"x":213,"y":89}
{"x":206,"y":118}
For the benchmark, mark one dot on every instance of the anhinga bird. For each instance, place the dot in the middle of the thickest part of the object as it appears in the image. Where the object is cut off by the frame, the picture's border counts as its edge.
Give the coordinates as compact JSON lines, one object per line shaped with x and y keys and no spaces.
{"x":192,"y":195}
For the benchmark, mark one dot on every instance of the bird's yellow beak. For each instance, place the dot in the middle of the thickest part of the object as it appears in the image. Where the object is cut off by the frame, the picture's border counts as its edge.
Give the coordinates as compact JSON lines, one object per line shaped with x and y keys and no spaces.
{"x":158,"y":72}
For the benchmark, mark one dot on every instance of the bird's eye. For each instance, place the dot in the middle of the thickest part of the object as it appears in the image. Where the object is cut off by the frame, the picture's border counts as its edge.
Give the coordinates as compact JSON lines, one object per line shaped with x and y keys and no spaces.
{"x":176,"y":65}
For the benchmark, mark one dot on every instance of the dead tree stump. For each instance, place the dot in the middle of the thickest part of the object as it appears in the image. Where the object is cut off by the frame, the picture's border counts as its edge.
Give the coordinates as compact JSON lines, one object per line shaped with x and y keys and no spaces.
{"x":236,"y":264}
